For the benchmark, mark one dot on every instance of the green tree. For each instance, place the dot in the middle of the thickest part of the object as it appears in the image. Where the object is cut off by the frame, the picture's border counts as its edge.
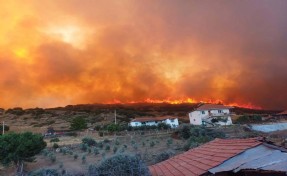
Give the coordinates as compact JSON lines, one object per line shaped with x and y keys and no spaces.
{"x":20,"y":148}
{"x":78,"y":123}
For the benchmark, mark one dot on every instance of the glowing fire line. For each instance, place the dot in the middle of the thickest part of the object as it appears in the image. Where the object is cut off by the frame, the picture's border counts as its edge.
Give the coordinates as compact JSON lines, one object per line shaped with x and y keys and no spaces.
{"x":184,"y":101}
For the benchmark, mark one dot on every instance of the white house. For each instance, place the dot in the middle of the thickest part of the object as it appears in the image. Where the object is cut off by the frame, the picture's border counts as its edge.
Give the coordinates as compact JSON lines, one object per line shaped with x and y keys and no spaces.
{"x":153,"y":121}
{"x":211,"y":114}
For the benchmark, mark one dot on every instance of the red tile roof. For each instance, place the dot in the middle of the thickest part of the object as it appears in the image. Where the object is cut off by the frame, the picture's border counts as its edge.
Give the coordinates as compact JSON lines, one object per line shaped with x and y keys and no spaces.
{"x":147,"y":119}
{"x":199,"y":160}
{"x":213,"y":106}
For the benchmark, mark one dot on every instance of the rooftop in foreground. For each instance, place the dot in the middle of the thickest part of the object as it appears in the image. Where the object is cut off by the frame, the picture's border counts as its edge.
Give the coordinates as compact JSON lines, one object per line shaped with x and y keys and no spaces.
{"x":199,"y":160}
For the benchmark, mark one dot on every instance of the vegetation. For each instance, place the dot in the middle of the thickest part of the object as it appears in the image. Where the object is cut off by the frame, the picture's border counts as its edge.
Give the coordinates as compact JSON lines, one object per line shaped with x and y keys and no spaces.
{"x":20,"y":148}
{"x":78,"y":123}
{"x":163,"y":156}
{"x":197,"y":135}
{"x":6,"y":128}
{"x":89,"y":141}
{"x":248,"y":119}
{"x":125,"y":165}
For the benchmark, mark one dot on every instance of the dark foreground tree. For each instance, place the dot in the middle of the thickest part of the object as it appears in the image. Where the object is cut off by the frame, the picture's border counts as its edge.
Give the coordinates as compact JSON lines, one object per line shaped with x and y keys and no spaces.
{"x":78,"y":123}
{"x":19,"y":148}
{"x":120,"y":165}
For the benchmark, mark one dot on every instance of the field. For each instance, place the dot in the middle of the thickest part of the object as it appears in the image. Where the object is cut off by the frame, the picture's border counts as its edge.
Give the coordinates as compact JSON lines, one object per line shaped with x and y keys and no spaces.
{"x":151,"y":145}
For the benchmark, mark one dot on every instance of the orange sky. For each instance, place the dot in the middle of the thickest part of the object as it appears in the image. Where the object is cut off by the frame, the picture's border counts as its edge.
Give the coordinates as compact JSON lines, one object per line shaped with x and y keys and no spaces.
{"x":59,"y":52}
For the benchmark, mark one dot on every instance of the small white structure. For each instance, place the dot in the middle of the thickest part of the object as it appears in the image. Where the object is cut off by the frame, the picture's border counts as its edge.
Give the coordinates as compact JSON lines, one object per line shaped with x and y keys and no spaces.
{"x":211,"y":114}
{"x":154,"y":121}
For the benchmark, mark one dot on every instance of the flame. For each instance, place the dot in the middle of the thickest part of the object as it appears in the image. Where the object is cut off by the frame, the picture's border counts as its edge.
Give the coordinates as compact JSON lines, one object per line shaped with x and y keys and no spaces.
{"x":186,"y":100}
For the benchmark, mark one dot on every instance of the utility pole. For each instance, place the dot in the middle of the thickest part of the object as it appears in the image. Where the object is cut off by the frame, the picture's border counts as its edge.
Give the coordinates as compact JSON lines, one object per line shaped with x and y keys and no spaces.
{"x":3,"y":128}
{"x":115,"y":116}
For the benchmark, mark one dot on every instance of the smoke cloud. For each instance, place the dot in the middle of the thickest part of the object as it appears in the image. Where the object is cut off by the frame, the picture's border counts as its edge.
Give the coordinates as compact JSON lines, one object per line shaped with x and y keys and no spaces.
{"x":54,"y":53}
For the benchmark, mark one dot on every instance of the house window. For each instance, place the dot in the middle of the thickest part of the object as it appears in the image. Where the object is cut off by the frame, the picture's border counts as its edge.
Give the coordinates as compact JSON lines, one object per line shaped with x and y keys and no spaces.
{"x":193,"y":119}
{"x":219,"y":111}
{"x":202,"y":112}
{"x":172,"y":120}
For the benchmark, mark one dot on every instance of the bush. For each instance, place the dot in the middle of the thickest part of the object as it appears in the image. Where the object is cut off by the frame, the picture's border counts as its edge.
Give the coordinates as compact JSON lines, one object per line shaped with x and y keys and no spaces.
{"x":84,"y":147}
{"x":151,"y":144}
{"x":101,"y":134}
{"x":55,"y":146}
{"x":76,"y":156}
{"x":248,"y":119}
{"x":106,"y":140}
{"x":113,"y":127}
{"x":55,"y":140}
{"x":169,"y":142}
{"x":198,"y":134}
{"x":89,"y":141}
{"x":184,"y":131}
{"x":44,"y":172}
{"x":125,"y":165}
{"x":115,"y":149}
{"x":164,"y":126}
{"x":100,"y":145}
{"x":107,"y":148}
{"x":163,"y":156}
{"x":96,"y":151}
{"x":84,"y":159}
{"x":78,"y":123}
{"x":52,"y":157}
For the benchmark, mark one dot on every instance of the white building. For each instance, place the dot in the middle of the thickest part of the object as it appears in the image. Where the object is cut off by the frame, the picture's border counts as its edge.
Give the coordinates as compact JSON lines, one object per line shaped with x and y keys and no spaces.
{"x":154,"y":121}
{"x":211,"y":114}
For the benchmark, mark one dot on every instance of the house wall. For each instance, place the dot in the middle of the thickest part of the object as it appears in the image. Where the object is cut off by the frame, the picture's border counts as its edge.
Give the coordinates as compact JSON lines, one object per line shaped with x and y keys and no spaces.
{"x":172,"y":122}
{"x":196,"y":117}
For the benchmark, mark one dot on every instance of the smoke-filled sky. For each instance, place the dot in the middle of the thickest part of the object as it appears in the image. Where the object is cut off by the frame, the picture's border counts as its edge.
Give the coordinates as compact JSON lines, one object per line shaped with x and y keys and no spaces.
{"x":59,"y":52}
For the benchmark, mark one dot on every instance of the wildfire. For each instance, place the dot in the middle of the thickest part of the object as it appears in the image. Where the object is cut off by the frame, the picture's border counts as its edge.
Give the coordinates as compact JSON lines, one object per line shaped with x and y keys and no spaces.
{"x":186,"y":100}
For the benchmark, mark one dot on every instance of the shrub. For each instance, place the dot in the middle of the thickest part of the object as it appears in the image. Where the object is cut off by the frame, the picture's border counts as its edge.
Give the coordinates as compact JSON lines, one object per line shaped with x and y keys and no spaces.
{"x":164,"y":126}
{"x":113,"y":127}
{"x":52,"y":157}
{"x":106,"y":140}
{"x":76,"y":156}
{"x":107,"y":147}
{"x":163,"y":156}
{"x":135,"y":146}
{"x":248,"y":119}
{"x":89,"y":141}
{"x":55,"y":146}
{"x":126,"y":165}
{"x":84,"y":159}
{"x":44,"y":172}
{"x":184,"y":131}
{"x":169,"y":142}
{"x":115,"y":149}
{"x":96,"y":151}
{"x":55,"y":140}
{"x":100,"y":145}
{"x":89,"y":150}
{"x":117,"y":142}
{"x":151,"y":144}
{"x":84,"y":147}
{"x":78,"y":123}
{"x":101,"y":134}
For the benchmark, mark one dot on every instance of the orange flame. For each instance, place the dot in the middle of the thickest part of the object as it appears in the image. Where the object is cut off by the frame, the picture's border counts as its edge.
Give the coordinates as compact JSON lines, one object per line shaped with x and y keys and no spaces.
{"x":186,"y":100}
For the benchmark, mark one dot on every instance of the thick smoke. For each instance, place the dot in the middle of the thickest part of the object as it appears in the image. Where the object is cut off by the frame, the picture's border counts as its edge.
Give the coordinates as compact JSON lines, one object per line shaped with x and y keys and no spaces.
{"x":54,"y":53}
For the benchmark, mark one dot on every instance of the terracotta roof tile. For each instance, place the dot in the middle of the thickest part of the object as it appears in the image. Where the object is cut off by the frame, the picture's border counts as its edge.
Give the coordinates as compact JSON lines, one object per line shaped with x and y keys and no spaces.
{"x":199,"y":160}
